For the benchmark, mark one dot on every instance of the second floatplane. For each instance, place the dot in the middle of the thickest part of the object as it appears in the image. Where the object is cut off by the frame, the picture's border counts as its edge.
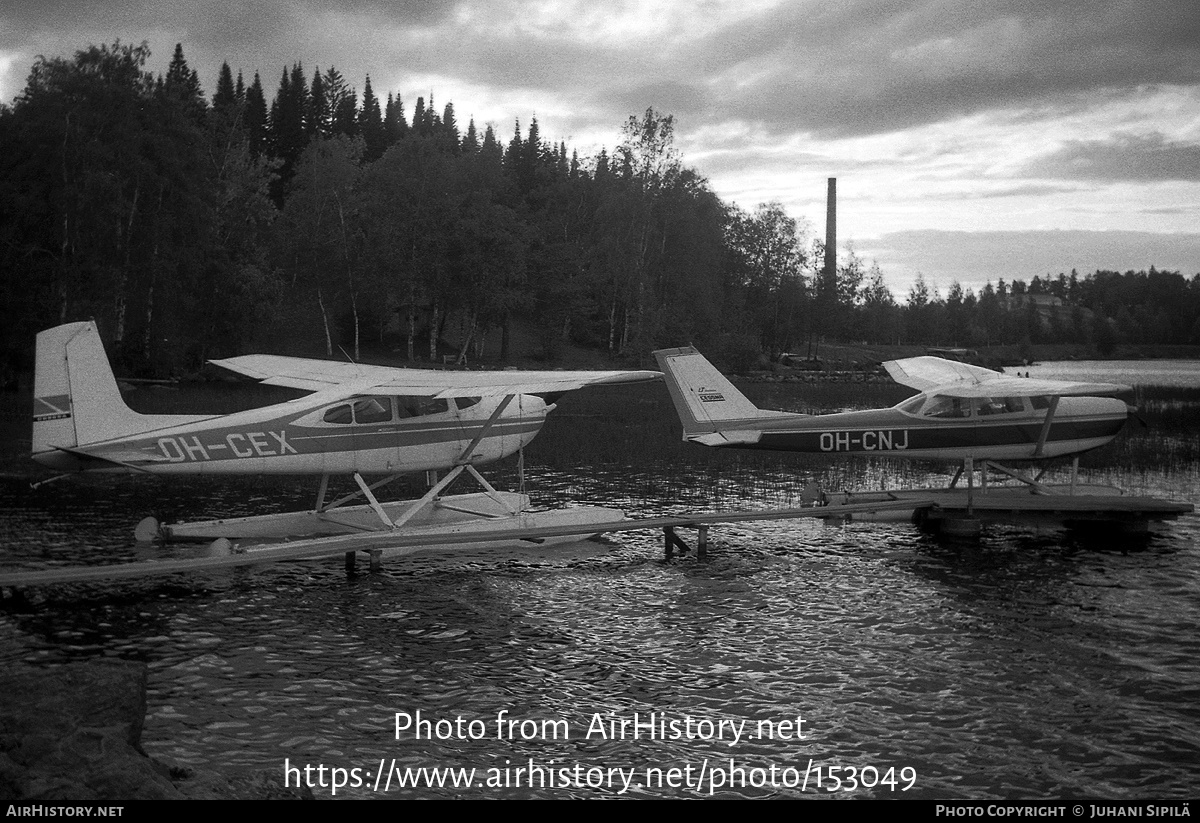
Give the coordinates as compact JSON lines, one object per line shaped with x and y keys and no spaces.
{"x":991,"y":424}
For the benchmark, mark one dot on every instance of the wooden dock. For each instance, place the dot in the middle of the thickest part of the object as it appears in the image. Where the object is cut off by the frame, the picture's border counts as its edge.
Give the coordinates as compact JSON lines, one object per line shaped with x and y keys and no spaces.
{"x":953,"y":511}
{"x":375,"y":544}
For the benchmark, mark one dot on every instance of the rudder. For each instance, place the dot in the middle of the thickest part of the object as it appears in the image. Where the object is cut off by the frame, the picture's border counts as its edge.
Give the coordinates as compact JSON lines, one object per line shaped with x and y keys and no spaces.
{"x":704,"y":398}
{"x":75,"y":396}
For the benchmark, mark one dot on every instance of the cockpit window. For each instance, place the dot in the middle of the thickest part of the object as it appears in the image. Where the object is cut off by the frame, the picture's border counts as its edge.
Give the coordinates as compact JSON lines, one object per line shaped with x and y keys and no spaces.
{"x":947,"y":407}
{"x":466,"y":402}
{"x":362,"y":410}
{"x":339,"y":414}
{"x":373,"y":410}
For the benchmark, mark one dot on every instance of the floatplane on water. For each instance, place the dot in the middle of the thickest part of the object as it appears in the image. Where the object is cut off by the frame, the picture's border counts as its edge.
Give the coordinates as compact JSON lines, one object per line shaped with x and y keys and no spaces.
{"x":358,"y":420}
{"x":977,"y":417}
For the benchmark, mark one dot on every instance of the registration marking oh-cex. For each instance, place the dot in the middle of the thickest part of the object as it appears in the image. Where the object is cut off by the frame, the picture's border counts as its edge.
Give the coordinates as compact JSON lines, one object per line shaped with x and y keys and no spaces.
{"x":237,"y":444}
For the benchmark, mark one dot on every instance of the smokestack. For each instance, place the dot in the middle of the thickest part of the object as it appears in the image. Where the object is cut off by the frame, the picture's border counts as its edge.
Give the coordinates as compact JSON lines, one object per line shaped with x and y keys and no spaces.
{"x":831,"y":234}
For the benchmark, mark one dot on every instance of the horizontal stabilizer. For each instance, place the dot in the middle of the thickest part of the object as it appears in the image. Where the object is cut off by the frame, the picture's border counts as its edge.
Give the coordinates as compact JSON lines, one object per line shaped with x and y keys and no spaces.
{"x":727,"y":438}
{"x":88,"y":461}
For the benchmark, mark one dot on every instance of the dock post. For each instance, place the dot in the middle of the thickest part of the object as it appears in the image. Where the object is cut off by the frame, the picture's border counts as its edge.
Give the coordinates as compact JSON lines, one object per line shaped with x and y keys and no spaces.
{"x":701,"y":541}
{"x":350,"y":562}
{"x":671,"y":542}
{"x":969,"y":466}
{"x":376,"y":560}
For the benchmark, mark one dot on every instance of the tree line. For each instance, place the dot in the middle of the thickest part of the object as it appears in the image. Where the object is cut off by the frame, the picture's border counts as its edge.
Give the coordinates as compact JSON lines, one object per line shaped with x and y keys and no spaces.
{"x":193,"y":229}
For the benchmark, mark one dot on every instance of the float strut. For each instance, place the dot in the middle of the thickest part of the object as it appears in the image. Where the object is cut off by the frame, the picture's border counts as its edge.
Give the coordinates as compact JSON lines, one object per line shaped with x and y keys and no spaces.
{"x":702,"y":542}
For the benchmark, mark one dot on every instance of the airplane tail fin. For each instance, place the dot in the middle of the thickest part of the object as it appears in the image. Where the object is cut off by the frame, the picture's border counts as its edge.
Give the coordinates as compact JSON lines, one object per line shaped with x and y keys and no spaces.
{"x":75,"y":396}
{"x":704,"y":398}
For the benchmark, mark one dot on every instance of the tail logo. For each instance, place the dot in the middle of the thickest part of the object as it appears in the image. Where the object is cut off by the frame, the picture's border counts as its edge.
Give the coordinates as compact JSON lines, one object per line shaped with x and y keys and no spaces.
{"x":710,"y":395}
{"x":57,"y":407}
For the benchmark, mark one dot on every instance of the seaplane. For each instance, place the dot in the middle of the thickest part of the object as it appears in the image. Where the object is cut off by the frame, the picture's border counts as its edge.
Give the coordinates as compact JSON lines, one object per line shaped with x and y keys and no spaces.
{"x":357,"y":420}
{"x":977,"y":417}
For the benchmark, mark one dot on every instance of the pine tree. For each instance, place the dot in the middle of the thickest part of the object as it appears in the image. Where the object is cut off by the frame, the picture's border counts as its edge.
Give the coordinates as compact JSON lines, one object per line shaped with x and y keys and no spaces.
{"x":256,"y":117}
{"x":370,"y":124}
{"x":342,"y":103}
{"x":287,"y":132}
{"x":449,"y":129}
{"x":512,"y":155}
{"x":490,"y":150}
{"x":393,"y":120}
{"x":317,"y":120}
{"x":226,"y":97}
{"x":183,"y":86}
{"x":470,"y":143}
{"x":418,"y":121}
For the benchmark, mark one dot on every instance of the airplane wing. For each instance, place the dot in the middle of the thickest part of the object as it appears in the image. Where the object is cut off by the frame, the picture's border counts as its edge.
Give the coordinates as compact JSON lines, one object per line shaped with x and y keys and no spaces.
{"x":925,"y":373}
{"x":318,"y":375}
{"x":1005,"y":386}
{"x":954,"y":379}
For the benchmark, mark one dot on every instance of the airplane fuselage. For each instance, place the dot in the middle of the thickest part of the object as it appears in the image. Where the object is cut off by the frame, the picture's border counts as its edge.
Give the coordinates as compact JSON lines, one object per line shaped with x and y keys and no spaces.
{"x":914,"y":430}
{"x":369,"y":434}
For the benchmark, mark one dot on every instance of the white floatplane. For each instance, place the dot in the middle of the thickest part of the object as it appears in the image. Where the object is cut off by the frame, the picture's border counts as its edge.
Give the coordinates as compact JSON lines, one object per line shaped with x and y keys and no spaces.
{"x":963,"y":413}
{"x":359,"y":419}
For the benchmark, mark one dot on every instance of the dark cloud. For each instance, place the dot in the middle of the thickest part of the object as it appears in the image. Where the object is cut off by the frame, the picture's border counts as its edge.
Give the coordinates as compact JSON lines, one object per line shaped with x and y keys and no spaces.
{"x":264,"y":36}
{"x":829,"y":69}
{"x":685,"y":100}
{"x":1149,"y":157}
{"x":854,"y":68}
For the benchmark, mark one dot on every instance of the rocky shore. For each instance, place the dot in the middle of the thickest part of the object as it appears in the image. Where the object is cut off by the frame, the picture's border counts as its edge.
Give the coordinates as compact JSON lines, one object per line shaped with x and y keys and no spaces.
{"x":73,"y":733}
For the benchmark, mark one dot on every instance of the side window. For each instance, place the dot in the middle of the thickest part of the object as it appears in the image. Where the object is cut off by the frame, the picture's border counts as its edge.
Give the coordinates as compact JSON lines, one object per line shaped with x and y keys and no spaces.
{"x":420,"y":406}
{"x":1040,"y":402}
{"x":466,"y":402}
{"x":999,"y":405}
{"x":338,"y":414}
{"x":373,"y":410}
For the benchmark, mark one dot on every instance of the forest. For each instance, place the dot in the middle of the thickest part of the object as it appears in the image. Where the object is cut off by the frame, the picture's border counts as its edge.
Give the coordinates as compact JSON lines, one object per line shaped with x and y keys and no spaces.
{"x":330,"y":222}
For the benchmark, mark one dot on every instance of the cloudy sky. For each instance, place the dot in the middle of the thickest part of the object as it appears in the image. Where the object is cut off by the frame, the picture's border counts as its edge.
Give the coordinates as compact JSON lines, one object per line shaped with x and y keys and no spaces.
{"x":971,"y":140}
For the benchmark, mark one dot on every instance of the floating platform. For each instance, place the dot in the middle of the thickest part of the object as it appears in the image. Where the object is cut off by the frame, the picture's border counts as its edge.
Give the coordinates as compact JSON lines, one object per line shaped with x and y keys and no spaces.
{"x":1022,"y":504}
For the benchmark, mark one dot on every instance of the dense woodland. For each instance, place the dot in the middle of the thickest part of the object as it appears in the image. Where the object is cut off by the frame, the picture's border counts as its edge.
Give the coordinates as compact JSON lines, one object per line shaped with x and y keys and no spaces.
{"x":191,"y":229}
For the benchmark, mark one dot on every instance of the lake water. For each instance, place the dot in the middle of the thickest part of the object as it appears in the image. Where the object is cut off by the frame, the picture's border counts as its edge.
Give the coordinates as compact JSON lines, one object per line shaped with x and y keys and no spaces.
{"x":1029,"y":664}
{"x":1173,"y":373}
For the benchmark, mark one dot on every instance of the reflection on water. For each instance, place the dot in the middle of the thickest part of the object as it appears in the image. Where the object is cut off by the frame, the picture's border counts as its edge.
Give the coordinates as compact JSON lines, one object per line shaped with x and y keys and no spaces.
{"x":1035,"y":663}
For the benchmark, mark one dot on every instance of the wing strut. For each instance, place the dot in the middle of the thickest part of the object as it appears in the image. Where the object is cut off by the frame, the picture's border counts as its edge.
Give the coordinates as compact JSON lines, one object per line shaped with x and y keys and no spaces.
{"x":466,"y":455}
{"x":463,"y":462}
{"x":1041,"y":444}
